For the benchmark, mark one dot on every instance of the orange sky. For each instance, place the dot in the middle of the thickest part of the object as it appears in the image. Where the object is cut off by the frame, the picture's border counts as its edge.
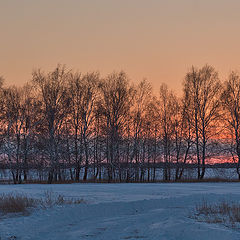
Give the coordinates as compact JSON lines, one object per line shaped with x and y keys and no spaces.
{"x":154,"y":39}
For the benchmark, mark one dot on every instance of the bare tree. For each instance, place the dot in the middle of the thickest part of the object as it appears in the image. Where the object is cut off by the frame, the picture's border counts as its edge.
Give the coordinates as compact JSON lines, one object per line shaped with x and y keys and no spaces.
{"x":182,"y":136}
{"x":167,"y":111}
{"x":231,"y":106}
{"x":202,"y":90}
{"x":153,"y":129}
{"x":1,"y":81}
{"x":1,"y":109}
{"x":142,"y":98}
{"x":115,"y":103}
{"x":13,"y":122}
{"x":83,"y":93}
{"x":52,"y":90}
{"x":29,"y":111}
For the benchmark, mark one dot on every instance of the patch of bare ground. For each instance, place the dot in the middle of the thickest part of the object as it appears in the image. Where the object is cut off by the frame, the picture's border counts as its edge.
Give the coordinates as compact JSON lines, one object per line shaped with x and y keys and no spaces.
{"x":226,"y":213}
{"x":16,"y":203}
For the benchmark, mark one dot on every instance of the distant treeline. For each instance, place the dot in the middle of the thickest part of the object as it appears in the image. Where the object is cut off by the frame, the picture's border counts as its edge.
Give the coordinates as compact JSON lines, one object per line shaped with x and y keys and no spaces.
{"x":65,"y":119}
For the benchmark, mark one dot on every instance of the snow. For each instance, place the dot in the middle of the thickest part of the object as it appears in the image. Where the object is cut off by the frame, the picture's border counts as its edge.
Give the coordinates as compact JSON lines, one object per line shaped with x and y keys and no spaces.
{"x":121,"y":211}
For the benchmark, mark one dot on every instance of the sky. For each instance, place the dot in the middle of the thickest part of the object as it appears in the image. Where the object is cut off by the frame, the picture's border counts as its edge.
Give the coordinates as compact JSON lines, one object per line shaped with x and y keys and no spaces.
{"x":154,"y":39}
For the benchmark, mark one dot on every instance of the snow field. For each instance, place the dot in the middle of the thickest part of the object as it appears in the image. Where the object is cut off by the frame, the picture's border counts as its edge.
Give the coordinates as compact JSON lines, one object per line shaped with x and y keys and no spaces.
{"x":121,"y":211}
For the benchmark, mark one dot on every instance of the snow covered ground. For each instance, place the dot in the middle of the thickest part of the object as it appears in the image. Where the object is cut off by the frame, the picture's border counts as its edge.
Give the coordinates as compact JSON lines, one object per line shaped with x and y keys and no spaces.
{"x":121,"y":211}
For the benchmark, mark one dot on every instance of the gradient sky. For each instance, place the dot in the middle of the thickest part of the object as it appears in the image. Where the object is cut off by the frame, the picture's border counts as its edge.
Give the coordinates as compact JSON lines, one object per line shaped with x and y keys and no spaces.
{"x":154,"y":39}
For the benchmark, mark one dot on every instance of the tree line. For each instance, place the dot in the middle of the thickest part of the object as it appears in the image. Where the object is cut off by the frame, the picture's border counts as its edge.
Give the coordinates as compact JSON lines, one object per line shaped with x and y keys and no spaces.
{"x":66,"y":121}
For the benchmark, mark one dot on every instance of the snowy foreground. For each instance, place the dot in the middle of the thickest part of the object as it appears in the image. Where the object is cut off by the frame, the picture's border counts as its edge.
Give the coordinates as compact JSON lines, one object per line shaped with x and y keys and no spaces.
{"x":121,"y":211}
